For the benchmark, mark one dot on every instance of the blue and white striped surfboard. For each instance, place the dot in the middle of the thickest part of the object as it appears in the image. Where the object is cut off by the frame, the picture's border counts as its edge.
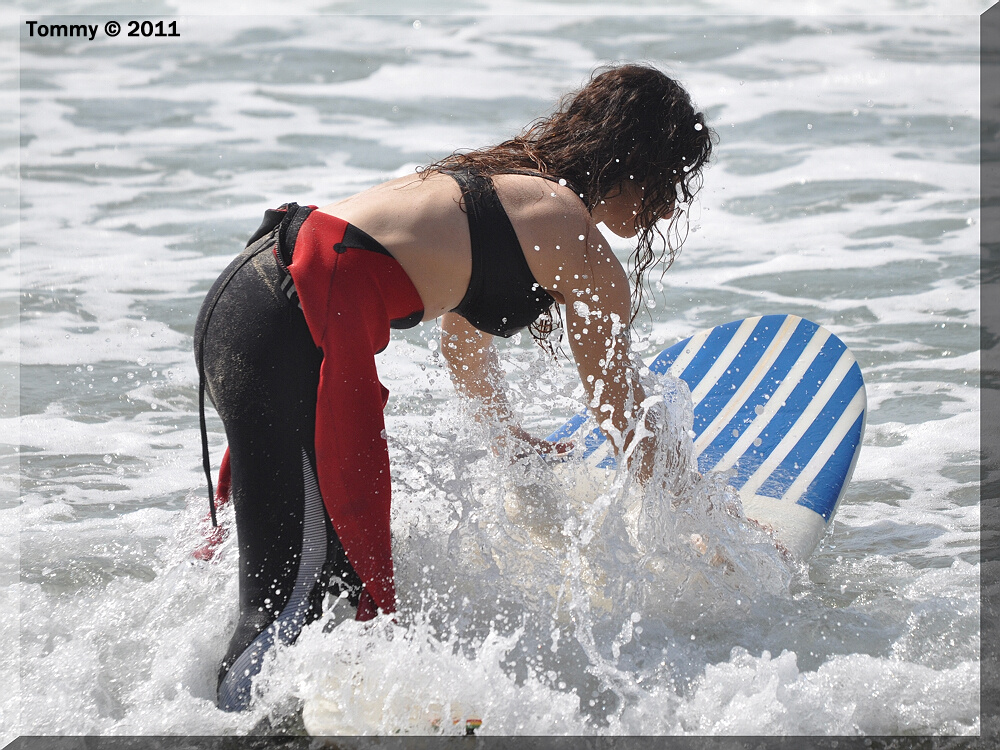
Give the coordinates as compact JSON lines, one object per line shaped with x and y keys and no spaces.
{"x":779,"y":398}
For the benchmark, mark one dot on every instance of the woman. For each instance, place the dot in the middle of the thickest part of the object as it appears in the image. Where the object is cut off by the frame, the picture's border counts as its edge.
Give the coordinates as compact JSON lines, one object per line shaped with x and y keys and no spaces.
{"x":490,"y":242}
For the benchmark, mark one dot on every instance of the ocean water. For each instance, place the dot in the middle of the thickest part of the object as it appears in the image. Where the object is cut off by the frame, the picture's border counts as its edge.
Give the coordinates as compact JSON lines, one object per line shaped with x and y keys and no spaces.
{"x":845,"y":190}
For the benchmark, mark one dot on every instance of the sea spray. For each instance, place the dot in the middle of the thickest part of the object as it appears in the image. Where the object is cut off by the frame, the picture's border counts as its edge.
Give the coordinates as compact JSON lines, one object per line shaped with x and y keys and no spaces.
{"x":586,"y":596}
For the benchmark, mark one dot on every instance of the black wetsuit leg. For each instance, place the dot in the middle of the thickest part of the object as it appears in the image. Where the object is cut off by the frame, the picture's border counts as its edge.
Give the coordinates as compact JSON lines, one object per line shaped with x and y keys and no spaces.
{"x":262,"y":372}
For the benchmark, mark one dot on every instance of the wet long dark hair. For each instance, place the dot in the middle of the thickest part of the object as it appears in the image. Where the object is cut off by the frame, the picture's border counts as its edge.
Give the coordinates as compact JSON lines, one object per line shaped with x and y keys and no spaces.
{"x":631,"y":122}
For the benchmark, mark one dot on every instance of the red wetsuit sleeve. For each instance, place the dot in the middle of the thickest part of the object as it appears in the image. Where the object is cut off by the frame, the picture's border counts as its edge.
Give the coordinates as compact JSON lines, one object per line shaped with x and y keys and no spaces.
{"x":343,"y":295}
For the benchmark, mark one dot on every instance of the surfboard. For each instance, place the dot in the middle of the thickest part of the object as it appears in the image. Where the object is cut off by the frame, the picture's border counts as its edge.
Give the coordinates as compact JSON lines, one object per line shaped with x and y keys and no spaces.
{"x":324,"y":716}
{"x":777,"y":398}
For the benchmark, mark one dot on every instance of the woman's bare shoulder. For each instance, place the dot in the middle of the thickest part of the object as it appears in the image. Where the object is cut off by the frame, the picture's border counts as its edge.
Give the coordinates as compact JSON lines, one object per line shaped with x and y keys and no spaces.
{"x":566,"y":252}
{"x":540,"y":195}
{"x":544,"y":212}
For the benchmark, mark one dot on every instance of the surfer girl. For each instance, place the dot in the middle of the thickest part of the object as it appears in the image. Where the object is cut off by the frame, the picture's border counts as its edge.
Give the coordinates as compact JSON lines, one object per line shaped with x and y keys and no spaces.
{"x":491,"y":241}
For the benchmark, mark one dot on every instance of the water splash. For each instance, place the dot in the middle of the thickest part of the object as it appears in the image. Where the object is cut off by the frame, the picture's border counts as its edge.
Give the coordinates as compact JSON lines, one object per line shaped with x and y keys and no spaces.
{"x":537,"y":585}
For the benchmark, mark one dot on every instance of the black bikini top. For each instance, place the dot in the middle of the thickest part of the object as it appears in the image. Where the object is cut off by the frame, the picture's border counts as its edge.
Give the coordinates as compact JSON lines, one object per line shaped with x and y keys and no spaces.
{"x":503,"y":296}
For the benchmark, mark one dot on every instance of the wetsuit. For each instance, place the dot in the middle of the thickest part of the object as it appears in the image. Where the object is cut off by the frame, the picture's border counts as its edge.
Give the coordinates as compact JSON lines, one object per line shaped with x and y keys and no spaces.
{"x":297,"y":391}
{"x":285,"y":344}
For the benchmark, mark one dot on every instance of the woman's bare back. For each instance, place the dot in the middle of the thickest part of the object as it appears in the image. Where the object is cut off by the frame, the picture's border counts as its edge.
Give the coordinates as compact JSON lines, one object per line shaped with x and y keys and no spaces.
{"x":421,"y":222}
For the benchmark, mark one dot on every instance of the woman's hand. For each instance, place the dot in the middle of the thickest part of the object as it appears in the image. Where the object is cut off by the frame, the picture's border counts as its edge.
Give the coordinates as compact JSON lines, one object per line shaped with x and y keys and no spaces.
{"x":512,"y":436}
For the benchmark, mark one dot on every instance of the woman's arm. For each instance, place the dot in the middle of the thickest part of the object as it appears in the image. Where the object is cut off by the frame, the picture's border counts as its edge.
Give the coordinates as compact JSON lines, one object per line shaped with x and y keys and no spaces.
{"x":598,"y":308}
{"x":474,"y":367}
{"x":595,"y":289}
{"x":476,"y":372}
